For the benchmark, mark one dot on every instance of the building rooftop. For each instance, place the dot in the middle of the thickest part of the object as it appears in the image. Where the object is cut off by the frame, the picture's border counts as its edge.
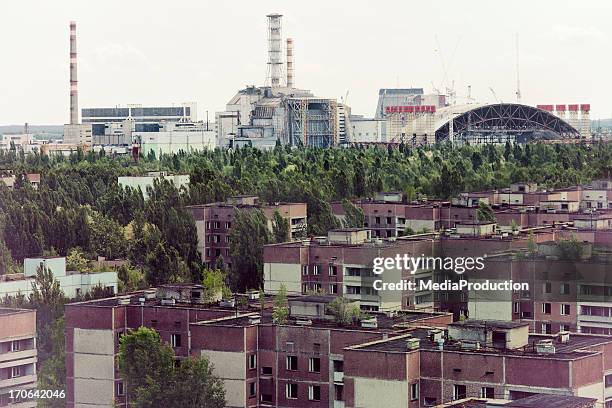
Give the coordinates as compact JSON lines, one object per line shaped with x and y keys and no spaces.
{"x":552,"y":401}
{"x":491,"y":324}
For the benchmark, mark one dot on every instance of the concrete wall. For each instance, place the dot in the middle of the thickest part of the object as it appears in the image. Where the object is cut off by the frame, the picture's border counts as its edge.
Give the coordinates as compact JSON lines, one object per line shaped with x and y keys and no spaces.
{"x":94,"y":367}
{"x":231,"y":368}
{"x":371,"y":392}
{"x":276,"y":274}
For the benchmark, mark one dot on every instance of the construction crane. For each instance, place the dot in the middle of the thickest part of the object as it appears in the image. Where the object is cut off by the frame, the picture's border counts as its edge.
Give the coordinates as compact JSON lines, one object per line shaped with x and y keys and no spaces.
{"x":494,"y":95}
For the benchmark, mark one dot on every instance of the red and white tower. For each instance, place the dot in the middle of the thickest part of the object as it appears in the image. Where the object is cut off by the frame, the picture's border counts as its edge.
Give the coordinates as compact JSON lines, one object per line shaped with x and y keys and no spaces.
{"x":74,"y":94}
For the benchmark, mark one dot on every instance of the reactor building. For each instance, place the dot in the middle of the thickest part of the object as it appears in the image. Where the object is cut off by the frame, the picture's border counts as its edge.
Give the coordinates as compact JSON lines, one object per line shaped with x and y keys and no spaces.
{"x":258,"y":116}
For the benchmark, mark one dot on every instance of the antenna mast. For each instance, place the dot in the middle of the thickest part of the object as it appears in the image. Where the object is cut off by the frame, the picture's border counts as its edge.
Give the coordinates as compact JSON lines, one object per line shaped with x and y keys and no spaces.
{"x":518,"y":78}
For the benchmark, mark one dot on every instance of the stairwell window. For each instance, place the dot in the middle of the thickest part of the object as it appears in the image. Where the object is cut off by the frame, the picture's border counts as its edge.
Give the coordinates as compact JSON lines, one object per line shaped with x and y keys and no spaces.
{"x":175,"y":340}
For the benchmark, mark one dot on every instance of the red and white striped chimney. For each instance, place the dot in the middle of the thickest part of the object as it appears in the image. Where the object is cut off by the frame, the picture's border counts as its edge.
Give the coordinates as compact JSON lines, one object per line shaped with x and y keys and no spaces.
{"x":74,"y":94}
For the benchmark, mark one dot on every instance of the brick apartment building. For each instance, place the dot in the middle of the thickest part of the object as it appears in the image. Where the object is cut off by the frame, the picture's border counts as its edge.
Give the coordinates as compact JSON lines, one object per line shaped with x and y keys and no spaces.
{"x":342,"y":264}
{"x":261,"y":363}
{"x":408,"y":359}
{"x":18,"y":355}
{"x":214,"y":223}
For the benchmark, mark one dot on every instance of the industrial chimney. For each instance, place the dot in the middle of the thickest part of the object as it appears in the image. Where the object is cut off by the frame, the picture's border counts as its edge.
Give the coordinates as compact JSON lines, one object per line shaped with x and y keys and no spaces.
{"x":74,"y":95}
{"x":275,"y":64}
{"x":289,"y":62}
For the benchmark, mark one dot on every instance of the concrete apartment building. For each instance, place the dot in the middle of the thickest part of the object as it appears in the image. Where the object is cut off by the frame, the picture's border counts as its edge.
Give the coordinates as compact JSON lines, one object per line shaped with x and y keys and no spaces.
{"x":72,"y":283}
{"x":261,"y":363}
{"x":18,"y":355}
{"x":214,"y":223}
{"x":342,"y":264}
{"x":408,"y":359}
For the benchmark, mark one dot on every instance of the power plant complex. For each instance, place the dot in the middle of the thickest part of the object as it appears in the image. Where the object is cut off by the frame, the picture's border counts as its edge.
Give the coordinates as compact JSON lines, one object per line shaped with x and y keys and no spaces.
{"x":279,"y":111}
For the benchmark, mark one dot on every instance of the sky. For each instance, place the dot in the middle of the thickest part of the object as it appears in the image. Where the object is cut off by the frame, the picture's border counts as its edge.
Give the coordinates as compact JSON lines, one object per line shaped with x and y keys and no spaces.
{"x":168,"y":52}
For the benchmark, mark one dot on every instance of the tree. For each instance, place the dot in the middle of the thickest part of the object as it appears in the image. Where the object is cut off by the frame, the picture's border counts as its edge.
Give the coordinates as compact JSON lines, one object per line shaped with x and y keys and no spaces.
{"x":570,"y":249}
{"x":214,"y":285}
{"x":353,"y":215}
{"x":6,"y":260}
{"x":280,"y":311}
{"x":344,"y":311}
{"x":130,"y":278}
{"x":76,"y":261}
{"x":280,"y":228}
{"x":485,"y":213}
{"x":164,"y":265}
{"x":107,"y":237}
{"x":52,"y":375}
{"x":248,"y":236}
{"x":154,"y":380}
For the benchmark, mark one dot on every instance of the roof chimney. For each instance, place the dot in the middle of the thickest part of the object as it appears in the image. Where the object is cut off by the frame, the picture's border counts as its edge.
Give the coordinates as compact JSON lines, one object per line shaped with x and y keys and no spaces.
{"x":74,"y":94}
{"x":289,"y":62}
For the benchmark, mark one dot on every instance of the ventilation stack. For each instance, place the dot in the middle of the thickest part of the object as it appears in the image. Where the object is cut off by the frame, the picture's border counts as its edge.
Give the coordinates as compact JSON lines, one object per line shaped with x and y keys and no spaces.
{"x":74,"y":94}
{"x":585,"y":121}
{"x":275,"y":63}
{"x":290,"y":63}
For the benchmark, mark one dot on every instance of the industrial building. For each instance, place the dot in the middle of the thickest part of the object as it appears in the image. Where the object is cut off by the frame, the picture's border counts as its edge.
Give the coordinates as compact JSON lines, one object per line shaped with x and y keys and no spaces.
{"x":174,"y":137}
{"x":146,"y":181}
{"x":259,"y":116}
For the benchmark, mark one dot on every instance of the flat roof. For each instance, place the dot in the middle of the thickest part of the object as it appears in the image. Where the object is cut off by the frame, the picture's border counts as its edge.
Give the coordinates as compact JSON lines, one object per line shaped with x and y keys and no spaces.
{"x":493,"y":324}
{"x":551,"y":401}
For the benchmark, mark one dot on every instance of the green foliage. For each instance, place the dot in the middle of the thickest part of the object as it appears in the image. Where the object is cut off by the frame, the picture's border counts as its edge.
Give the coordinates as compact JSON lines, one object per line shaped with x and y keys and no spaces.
{"x":353,"y":215}
{"x":154,"y":380}
{"x":76,"y":261}
{"x":280,"y":228}
{"x":280,"y":312}
{"x":52,"y":374}
{"x":485,"y":213}
{"x":214,"y":285}
{"x":130,"y":278}
{"x":107,"y":237}
{"x":6,"y":260}
{"x":570,"y":249}
{"x":344,"y":311}
{"x":248,"y":236}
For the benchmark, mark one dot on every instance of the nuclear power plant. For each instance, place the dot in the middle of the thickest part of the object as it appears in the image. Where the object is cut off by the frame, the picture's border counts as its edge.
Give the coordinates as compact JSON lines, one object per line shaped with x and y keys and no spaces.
{"x":281,"y":111}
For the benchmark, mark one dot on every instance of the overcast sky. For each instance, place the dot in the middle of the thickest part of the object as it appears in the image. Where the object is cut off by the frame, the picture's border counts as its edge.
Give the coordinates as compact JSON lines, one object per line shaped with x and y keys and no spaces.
{"x":164,"y":52}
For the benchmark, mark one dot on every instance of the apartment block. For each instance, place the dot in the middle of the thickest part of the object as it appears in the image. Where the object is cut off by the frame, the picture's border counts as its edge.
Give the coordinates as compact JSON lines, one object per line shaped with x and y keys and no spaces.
{"x":342,"y":264}
{"x":18,"y":356}
{"x":298,"y":363}
{"x":214,"y":223}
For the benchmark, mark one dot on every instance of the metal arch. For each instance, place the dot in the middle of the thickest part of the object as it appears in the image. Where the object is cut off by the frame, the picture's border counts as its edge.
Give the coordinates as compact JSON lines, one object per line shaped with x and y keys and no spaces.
{"x":505,"y":117}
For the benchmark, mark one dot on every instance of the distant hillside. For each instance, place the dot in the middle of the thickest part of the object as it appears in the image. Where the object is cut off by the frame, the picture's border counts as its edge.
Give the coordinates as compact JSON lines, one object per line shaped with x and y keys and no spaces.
{"x":55,"y":130}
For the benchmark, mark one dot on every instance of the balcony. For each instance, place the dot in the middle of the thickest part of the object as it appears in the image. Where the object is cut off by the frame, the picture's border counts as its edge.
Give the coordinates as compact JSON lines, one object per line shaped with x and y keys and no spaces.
{"x":338,"y":404}
{"x":338,"y":376}
{"x":17,"y":381}
{"x":17,"y":355}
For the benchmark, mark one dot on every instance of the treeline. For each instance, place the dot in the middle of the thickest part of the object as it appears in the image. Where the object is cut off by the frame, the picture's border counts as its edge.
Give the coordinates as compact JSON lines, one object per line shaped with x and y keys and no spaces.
{"x":80,"y":205}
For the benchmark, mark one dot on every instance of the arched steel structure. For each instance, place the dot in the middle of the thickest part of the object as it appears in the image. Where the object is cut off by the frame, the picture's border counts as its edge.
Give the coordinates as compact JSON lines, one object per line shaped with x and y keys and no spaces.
{"x":501,"y":121}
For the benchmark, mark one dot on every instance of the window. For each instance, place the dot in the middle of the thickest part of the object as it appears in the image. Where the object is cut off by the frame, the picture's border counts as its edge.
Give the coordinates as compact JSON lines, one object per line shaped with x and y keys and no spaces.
{"x":608,"y":380}
{"x":546,"y":308}
{"x":565,"y":309}
{"x":289,"y":346}
{"x":377,"y":220}
{"x":175,"y":340}
{"x":304,"y":269}
{"x":459,"y":392}
{"x":314,"y":393}
{"x":487,"y":392}
{"x":266,"y":397}
{"x":414,"y":391}
{"x":338,"y":366}
{"x":291,"y":391}
{"x":333,"y":270}
{"x":388,"y":220}
{"x":565,"y":327}
{"x":333,"y":289}
{"x":266,"y":370}
{"x":316,"y":270}
{"x":217,"y":224}
{"x":565,"y":289}
{"x":547,"y":287}
{"x":314,"y":365}
{"x":252,"y":361}
{"x":292,"y":363}
{"x":15,"y":345}
{"x":546,"y":328}
{"x":16,"y":372}
{"x":228,"y":225}
{"x":517,"y":307}
{"x":252,"y":389}
{"x":353,"y":290}
{"x":120,"y":389}
{"x":429,"y":401}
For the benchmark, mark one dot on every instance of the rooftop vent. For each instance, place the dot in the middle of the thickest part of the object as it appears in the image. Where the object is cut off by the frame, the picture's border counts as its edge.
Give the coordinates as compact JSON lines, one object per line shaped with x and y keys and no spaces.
{"x":255,"y":319}
{"x":545,"y":347}
{"x":123,"y":301}
{"x":564,"y":337}
{"x":371,"y":323}
{"x":168,"y":302}
{"x":470,"y":345}
{"x":303,"y":322}
{"x":412,"y":343}
{"x":435,"y":334}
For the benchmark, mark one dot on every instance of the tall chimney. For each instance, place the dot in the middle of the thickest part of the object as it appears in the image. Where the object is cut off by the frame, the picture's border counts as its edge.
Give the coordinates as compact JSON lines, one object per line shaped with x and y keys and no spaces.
{"x":275,"y":64}
{"x":74,"y":94}
{"x":289,"y":62}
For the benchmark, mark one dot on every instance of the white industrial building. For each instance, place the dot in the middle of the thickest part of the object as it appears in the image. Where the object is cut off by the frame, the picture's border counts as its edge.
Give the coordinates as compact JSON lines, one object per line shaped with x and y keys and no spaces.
{"x":367,"y":130}
{"x":146,"y":181}
{"x":72,"y":283}
{"x":174,"y":137}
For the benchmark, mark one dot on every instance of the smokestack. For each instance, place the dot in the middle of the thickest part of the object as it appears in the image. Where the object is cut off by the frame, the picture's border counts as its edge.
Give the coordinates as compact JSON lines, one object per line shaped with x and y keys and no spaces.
{"x":275,"y":65}
{"x":74,"y":94}
{"x":289,"y":62}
